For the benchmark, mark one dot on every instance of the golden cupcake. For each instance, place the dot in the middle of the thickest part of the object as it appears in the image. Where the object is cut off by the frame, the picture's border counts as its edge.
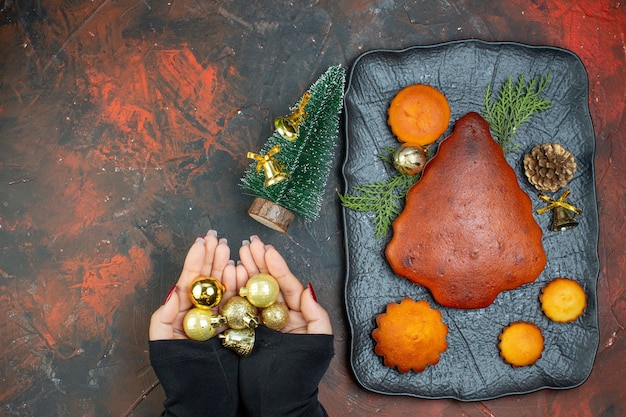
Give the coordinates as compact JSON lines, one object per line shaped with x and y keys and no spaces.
{"x":418,"y":114}
{"x":410,"y":335}
{"x":521,"y":344}
{"x":563,"y":300}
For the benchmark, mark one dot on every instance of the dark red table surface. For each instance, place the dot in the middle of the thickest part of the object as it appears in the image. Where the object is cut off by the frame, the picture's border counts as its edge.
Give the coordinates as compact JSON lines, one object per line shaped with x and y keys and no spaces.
{"x":123,"y":133}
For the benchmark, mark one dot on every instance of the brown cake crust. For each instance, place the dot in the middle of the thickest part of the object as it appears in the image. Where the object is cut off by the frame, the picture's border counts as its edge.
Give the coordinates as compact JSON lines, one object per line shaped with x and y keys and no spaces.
{"x":467,"y":230}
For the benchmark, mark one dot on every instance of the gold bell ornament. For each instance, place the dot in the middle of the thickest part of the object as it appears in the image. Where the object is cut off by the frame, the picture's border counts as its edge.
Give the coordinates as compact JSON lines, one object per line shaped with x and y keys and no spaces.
{"x":239,"y":340}
{"x":409,"y":160}
{"x":206,"y":292}
{"x":288,"y":126}
{"x":261,"y":290}
{"x":562,"y":218}
{"x":275,"y":316}
{"x":272,"y":168}
{"x":240,"y":313}
{"x":200,"y":324}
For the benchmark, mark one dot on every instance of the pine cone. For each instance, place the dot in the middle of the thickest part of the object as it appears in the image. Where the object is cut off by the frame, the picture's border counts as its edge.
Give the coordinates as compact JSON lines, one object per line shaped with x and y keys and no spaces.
{"x":549,"y":166}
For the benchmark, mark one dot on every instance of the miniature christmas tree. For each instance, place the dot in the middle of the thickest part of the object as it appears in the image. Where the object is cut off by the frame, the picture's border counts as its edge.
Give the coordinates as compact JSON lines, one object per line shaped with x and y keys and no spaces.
{"x":289,"y":174}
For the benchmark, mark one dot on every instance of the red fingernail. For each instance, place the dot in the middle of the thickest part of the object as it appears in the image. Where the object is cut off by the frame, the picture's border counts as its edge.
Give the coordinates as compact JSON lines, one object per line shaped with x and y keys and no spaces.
{"x":312,"y":292}
{"x":169,"y":294}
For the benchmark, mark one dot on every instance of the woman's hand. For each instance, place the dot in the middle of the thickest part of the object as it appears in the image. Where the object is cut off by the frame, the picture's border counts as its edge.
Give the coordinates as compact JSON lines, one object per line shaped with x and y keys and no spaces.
{"x":305,"y":314}
{"x":208,"y":256}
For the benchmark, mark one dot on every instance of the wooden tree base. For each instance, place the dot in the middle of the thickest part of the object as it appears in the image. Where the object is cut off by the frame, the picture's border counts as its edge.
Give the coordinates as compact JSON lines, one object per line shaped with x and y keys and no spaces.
{"x":271,"y":214}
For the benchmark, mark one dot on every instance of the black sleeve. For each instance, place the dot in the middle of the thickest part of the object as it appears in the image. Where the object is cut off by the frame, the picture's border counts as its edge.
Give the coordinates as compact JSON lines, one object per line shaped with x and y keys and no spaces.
{"x":280,"y":378}
{"x":199,"y":378}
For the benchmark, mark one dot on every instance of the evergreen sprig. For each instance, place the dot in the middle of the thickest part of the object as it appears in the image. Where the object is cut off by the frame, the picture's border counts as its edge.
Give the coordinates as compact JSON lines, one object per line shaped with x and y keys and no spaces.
{"x":515,"y":104}
{"x":383,"y":198}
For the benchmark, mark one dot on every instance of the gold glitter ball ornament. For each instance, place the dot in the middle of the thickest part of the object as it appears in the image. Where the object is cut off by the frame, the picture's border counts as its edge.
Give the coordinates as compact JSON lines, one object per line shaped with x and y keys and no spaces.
{"x":200,"y":324}
{"x":240,"y":313}
{"x":261,"y":290}
{"x":206,"y":292}
{"x":275,"y":316}
{"x":549,"y":166}
{"x":409,"y":160}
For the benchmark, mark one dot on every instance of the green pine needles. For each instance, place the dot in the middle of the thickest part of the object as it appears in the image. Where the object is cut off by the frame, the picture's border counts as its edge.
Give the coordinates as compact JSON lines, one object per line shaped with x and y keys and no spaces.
{"x":309,"y":158}
{"x":514,"y":106}
{"x":383,"y":198}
